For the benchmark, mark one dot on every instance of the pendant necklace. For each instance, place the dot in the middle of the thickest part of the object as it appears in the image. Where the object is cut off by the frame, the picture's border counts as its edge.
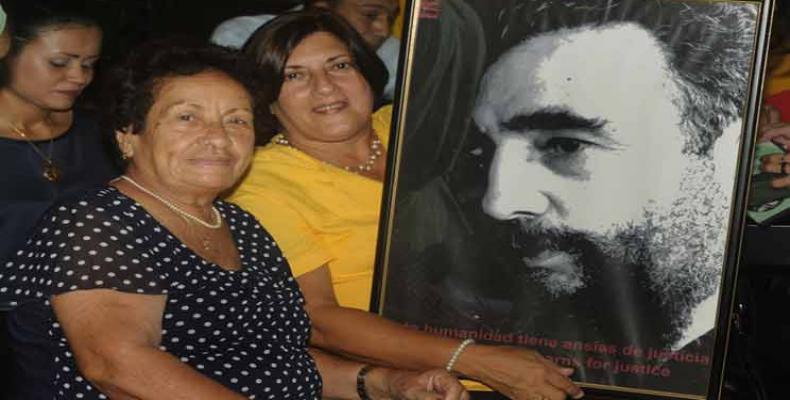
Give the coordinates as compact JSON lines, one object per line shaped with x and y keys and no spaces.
{"x":50,"y":171}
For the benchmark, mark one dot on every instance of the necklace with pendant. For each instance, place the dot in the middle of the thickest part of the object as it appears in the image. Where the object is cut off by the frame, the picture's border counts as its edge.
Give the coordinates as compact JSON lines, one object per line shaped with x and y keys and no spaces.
{"x":205,"y":242}
{"x":49,"y":170}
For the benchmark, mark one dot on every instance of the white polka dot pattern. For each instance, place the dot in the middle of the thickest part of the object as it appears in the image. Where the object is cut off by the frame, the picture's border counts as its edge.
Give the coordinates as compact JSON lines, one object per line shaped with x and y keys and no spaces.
{"x":246,"y":329}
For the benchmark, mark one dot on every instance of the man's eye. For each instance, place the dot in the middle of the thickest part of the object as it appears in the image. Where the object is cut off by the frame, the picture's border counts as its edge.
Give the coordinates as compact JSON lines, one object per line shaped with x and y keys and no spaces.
{"x":342,"y":65}
{"x":561,"y":145}
{"x":186,"y":117}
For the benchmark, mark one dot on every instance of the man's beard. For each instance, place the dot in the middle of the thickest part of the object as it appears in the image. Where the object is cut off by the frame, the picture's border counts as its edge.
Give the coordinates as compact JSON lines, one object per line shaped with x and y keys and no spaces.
{"x":635,"y":284}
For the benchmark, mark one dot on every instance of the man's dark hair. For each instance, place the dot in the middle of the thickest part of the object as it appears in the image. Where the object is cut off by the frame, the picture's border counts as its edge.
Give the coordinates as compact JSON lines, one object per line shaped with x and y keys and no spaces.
{"x":709,"y":46}
{"x":29,"y":19}
{"x":132,"y":87}
{"x":272,"y":44}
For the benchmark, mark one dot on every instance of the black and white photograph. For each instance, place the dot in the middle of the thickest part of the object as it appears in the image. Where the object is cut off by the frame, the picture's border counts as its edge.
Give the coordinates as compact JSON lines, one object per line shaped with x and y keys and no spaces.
{"x":566,"y":176}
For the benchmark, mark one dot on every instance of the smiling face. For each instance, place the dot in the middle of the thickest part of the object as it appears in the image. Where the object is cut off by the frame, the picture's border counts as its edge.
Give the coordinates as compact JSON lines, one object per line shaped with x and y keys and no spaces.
{"x":590,"y":174}
{"x":52,"y":70}
{"x":371,"y":18}
{"x":198,"y":135}
{"x":324,"y":98}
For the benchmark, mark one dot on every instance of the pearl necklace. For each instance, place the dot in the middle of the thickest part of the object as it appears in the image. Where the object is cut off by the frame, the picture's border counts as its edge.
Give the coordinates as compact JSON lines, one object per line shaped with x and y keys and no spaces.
{"x":367,"y":166}
{"x":176,"y":209}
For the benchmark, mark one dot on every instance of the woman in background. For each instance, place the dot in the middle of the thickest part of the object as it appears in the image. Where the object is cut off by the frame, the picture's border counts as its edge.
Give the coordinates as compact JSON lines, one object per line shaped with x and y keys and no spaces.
{"x":317,"y":188}
{"x":47,"y":148}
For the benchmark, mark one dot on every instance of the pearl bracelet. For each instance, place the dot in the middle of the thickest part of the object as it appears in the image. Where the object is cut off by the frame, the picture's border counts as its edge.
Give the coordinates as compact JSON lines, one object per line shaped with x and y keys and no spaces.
{"x":457,"y":354}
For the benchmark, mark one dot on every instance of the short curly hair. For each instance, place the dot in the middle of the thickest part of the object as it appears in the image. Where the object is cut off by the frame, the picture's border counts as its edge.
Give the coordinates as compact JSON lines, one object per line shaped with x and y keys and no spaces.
{"x":131,"y":87}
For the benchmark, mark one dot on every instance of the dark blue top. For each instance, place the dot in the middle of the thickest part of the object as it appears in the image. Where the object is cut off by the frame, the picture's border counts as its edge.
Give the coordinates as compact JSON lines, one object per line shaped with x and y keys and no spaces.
{"x":79,"y":154}
{"x":245,"y":329}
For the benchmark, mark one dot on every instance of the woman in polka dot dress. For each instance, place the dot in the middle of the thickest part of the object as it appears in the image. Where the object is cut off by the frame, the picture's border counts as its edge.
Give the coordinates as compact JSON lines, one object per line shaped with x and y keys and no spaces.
{"x":150,"y":288}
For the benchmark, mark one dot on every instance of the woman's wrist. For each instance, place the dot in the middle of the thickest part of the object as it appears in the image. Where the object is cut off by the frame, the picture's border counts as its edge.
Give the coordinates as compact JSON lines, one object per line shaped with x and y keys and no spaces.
{"x":375,"y":382}
{"x":459,"y":350}
{"x":469,"y":363}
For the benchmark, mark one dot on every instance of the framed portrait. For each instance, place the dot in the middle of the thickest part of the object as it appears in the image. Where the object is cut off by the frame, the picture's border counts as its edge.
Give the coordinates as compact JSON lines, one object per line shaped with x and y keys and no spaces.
{"x":570,"y":176}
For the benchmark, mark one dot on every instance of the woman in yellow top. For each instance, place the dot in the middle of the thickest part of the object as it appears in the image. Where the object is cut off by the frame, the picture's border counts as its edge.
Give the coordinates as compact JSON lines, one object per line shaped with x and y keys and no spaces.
{"x":317,"y":188}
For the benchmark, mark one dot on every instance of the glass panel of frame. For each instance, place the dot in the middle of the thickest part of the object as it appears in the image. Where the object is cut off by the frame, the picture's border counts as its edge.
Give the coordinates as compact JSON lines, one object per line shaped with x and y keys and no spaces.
{"x":569,"y":175}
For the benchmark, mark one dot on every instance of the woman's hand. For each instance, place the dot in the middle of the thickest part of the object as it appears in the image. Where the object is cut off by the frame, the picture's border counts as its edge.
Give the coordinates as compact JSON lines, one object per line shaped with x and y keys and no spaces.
{"x":437,"y":384}
{"x":518,"y":373}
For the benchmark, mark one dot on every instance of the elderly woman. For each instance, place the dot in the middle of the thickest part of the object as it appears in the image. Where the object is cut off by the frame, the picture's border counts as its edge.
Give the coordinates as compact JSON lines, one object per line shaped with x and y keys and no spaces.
{"x":150,"y":288}
{"x":317,"y":187}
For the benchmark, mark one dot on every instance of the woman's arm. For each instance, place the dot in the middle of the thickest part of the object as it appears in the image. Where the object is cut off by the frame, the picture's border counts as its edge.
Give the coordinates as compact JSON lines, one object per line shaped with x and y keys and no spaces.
{"x":515,"y":372}
{"x":340,"y":381}
{"x":115,"y":339}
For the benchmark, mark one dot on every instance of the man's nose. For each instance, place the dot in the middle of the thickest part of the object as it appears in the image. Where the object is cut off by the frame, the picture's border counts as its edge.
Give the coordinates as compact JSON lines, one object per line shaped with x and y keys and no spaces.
{"x":381,"y":26}
{"x":515,"y":183}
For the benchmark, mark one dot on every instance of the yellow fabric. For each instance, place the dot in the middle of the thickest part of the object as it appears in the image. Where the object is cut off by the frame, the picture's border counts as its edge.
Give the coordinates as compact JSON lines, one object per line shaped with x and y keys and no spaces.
{"x":397,"y":26}
{"x":778,"y":79}
{"x":318,"y":213}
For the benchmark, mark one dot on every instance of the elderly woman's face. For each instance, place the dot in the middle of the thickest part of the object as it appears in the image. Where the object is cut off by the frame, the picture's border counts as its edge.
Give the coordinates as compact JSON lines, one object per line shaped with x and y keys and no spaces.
{"x":323,"y":97}
{"x":198,"y":133}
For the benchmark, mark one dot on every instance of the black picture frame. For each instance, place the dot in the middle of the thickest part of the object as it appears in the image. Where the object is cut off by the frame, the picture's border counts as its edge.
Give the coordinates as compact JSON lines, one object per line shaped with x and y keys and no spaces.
{"x":469,"y":247}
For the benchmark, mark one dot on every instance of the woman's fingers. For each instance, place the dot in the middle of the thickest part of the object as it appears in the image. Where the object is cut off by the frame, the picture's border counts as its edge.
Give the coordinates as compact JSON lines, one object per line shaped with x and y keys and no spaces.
{"x":523,"y":374}
{"x":561,"y":379}
{"x":552,"y":393}
{"x":564,"y":384}
{"x":442,"y":382}
{"x":434,"y":384}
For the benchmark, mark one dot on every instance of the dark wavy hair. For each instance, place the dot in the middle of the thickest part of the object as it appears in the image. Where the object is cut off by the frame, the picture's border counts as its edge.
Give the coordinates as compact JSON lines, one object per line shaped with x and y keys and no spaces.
{"x":272,"y":44}
{"x":709,"y":46}
{"x":28,"y":19}
{"x":131,"y":88}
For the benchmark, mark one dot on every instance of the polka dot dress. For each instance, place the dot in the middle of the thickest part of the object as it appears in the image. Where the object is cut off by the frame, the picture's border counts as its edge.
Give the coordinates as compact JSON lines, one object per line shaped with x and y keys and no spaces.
{"x":246,"y":329}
